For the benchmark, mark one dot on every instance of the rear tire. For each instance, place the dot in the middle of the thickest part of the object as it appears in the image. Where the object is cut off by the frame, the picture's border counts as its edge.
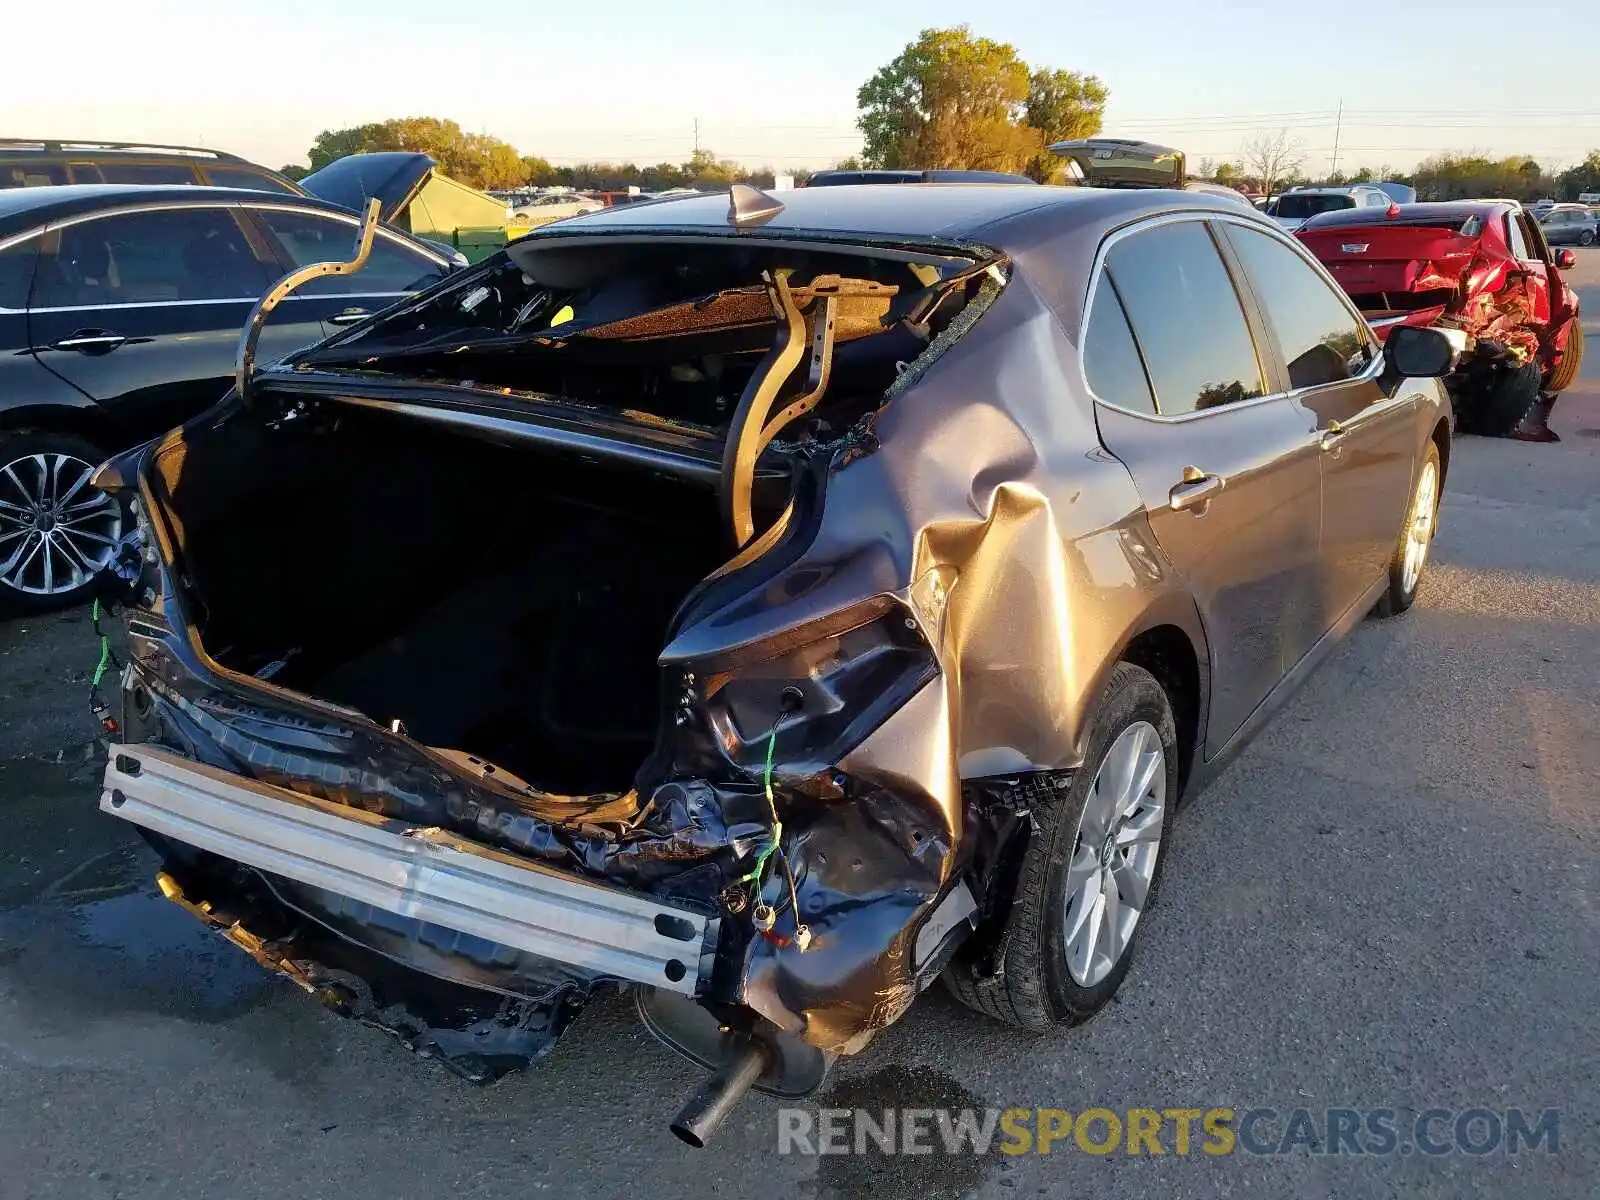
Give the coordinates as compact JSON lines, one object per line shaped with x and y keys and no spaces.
{"x":1566,"y":372}
{"x":47,"y":505}
{"x":1411,"y":554}
{"x":1043,"y":975}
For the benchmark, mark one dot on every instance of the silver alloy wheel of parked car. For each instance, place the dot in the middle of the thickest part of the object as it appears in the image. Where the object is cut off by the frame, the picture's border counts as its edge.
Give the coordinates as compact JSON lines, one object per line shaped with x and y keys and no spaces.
{"x":1419,"y":536}
{"x":56,"y":531}
{"x":1114,"y":856}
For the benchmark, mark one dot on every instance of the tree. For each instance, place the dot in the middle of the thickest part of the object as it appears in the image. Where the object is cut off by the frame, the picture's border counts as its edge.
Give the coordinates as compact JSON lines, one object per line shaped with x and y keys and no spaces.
{"x":332,"y":144}
{"x":948,"y":100}
{"x":704,"y":169}
{"x":294,"y":171}
{"x":537,"y":171}
{"x":1228,"y":174}
{"x":473,"y":158}
{"x":1455,"y":177}
{"x":1585,"y":177}
{"x":1273,"y":157}
{"x":1061,"y":105}
{"x":1207,"y":169}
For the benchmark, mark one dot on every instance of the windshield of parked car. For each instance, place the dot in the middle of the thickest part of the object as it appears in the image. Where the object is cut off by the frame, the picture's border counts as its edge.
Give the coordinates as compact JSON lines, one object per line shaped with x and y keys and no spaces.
{"x":1299,"y":207}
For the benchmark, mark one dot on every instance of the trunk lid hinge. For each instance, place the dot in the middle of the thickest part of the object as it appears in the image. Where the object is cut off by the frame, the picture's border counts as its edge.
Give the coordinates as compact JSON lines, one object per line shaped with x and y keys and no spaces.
{"x":244,"y":366}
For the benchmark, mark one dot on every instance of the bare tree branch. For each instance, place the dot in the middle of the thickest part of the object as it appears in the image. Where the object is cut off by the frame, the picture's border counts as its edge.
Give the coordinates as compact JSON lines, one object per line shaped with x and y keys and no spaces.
{"x":1273,"y":157}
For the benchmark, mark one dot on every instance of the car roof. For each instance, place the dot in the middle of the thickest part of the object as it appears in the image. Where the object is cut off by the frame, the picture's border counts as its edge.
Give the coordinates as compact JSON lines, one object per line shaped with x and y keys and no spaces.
{"x":987,"y":213}
{"x":22,"y":209}
{"x":1448,"y":212}
{"x":842,"y":178}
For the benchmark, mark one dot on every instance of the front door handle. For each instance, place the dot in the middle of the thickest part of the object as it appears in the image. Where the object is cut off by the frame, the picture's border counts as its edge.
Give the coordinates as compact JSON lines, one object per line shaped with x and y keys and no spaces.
{"x":89,"y":341}
{"x":1332,"y":436}
{"x":1195,"y":489}
{"x":348,"y":317}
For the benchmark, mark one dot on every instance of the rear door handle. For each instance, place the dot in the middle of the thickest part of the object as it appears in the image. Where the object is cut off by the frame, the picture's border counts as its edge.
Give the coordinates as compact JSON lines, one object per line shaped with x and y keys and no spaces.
{"x":1196,"y":488}
{"x":89,"y":341}
{"x":349,"y":316}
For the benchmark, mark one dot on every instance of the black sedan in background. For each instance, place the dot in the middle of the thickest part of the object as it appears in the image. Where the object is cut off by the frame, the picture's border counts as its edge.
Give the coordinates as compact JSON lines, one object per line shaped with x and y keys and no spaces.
{"x":120,"y":312}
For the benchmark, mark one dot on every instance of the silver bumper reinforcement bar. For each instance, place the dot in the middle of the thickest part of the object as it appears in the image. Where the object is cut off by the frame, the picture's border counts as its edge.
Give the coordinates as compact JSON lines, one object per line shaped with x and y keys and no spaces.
{"x":427,"y":874}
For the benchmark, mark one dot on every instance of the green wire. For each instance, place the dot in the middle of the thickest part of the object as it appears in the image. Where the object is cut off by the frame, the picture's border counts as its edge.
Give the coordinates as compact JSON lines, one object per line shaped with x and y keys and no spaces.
{"x":759,"y":870}
{"x":105,"y":648}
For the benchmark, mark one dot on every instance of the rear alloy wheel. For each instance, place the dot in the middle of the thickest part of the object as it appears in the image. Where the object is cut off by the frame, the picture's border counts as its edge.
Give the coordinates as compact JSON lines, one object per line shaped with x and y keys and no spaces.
{"x":1090,"y":872}
{"x":1586,"y":238}
{"x":1416,"y":539}
{"x":1566,"y":372}
{"x":57,"y":531}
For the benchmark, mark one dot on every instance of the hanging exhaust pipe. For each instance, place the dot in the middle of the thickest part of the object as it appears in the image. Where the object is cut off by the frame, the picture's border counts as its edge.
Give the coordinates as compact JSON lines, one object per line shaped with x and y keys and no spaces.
{"x":720,"y":1094}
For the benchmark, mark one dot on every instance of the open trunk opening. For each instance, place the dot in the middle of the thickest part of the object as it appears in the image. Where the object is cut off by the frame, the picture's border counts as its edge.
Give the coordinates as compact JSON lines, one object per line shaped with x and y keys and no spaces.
{"x":668,"y":331}
{"x":497,"y":597}
{"x":500,"y":600}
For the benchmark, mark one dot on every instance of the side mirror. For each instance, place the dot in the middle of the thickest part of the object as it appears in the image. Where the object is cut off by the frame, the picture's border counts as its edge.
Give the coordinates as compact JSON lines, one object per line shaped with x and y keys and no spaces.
{"x":1415,"y":353}
{"x":1566,"y":259}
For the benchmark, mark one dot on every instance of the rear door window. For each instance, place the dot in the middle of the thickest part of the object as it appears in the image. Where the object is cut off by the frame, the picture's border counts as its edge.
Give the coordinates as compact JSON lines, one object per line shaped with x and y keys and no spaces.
{"x":1186,"y":318}
{"x":147,"y":172}
{"x":256,"y":181}
{"x":16,"y":272}
{"x":1514,"y":238}
{"x":155,"y":257}
{"x":1533,"y":238}
{"x":1110,"y":358}
{"x":1320,"y":339}
{"x":31,"y":174}
{"x":394,"y":268}
{"x":1300,"y":207}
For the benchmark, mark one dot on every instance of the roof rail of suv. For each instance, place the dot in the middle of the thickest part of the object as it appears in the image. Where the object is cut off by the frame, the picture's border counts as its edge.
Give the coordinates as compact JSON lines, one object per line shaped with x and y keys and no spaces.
{"x":70,"y":145}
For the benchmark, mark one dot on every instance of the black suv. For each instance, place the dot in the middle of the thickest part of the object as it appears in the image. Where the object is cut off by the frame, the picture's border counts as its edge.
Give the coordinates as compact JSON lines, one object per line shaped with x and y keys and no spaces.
{"x":120,"y":312}
{"x":27,"y":162}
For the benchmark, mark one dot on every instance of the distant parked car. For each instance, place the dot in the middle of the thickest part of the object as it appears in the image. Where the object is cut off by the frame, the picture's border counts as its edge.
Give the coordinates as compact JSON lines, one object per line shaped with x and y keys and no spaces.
{"x":36,"y":163}
{"x":26,"y":162}
{"x":1293,"y":208}
{"x":1122,"y":163}
{"x":541,"y":210}
{"x":120,"y":312}
{"x":1570,"y":225}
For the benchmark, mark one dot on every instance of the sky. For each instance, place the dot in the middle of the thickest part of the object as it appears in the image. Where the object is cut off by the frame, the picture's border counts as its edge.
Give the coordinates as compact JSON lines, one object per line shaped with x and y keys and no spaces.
{"x":775,"y":84}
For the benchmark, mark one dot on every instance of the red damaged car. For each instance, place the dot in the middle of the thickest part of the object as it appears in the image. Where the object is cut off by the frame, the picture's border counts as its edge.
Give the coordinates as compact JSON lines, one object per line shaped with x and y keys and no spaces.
{"x":1478,"y":266}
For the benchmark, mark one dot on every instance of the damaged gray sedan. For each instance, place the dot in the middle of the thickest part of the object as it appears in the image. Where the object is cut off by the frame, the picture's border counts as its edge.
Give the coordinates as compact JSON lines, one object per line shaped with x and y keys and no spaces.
{"x":769,"y":606}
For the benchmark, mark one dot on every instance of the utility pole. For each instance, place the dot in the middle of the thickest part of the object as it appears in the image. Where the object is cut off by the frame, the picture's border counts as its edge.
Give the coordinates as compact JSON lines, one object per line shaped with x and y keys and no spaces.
{"x":697,"y":137}
{"x":1338,"y":127}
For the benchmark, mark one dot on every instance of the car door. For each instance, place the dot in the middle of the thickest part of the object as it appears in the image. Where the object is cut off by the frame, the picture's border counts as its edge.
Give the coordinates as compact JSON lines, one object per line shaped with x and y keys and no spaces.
{"x":1527,"y":247}
{"x":1225,"y":463}
{"x":396,"y":268}
{"x":1366,"y":439}
{"x":141,"y":309}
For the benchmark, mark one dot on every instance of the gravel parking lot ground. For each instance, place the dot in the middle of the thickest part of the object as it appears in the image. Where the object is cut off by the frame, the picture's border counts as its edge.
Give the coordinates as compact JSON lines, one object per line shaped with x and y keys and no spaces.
{"x":1391,"y":901}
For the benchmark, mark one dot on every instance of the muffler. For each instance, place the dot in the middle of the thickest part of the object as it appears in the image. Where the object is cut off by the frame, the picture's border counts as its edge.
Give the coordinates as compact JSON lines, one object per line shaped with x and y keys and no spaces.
{"x":720,"y":1094}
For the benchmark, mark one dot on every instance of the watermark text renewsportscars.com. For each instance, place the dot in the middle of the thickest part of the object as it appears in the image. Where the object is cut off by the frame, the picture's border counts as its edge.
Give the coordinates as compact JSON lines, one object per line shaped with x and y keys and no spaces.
{"x":1216,"y":1131}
